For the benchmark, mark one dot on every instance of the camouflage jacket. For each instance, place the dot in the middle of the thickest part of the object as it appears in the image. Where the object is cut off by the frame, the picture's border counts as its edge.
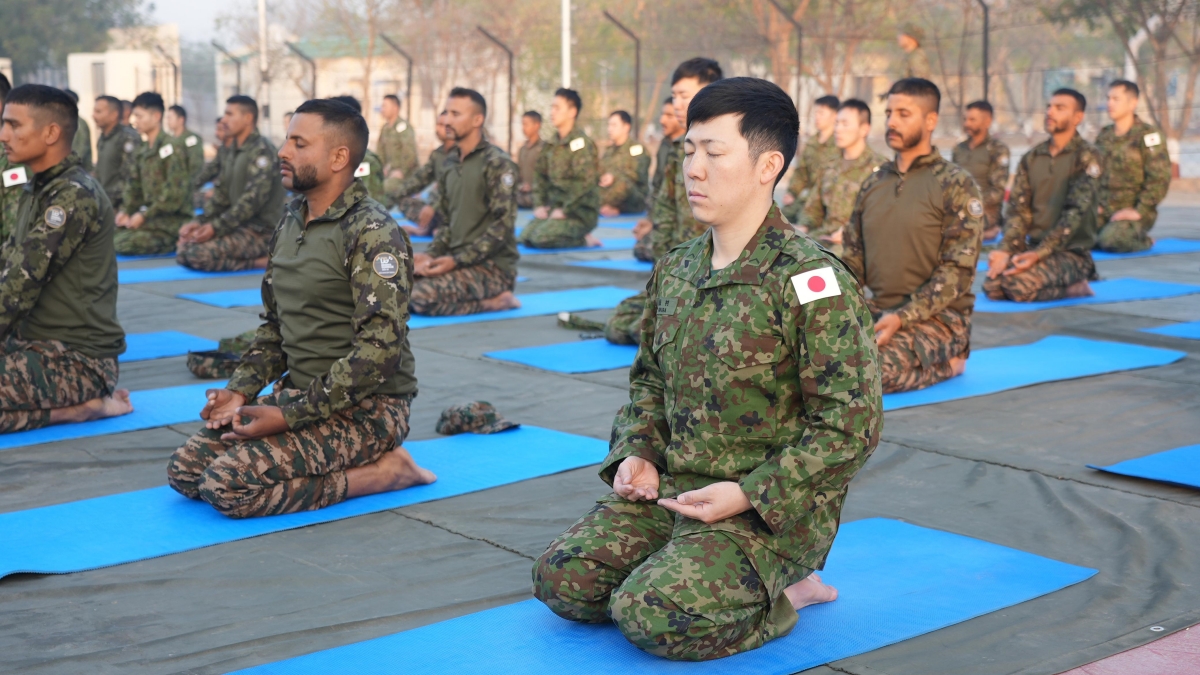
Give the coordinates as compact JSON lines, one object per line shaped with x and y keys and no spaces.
{"x":193,"y":150}
{"x":1047,"y":213}
{"x":829,"y":205}
{"x":812,"y":162}
{"x":567,"y":171}
{"x":914,"y":238}
{"x":370,"y":172}
{"x":665,"y":148}
{"x":671,"y":216}
{"x":1137,"y":170}
{"x":340,"y":344}
{"x":630,"y":168}
{"x":211,"y":170}
{"x":159,"y":181}
{"x":418,"y":180}
{"x":738,"y":379}
{"x":988,"y":164}
{"x":249,"y":191}
{"x":397,"y":148}
{"x":477,"y":198}
{"x":916,"y":64}
{"x":81,"y":145}
{"x":15,"y":178}
{"x":114,"y":160}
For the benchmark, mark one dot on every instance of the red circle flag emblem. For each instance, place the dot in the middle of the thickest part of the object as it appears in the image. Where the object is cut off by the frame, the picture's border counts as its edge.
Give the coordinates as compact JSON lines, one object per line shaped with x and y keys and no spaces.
{"x":12,"y":176}
{"x":816,"y":284}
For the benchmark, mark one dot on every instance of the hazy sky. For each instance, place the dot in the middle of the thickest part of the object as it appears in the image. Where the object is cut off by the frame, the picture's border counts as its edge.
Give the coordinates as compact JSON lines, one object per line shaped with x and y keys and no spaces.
{"x":195,"y":17}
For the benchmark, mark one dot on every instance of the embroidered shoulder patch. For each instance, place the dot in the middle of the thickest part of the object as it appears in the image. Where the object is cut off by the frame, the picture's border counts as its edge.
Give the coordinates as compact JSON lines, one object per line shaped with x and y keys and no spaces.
{"x":401,"y":127}
{"x":166,"y":151}
{"x":1152,"y":140}
{"x":386,"y":265}
{"x":191,"y":141}
{"x":128,"y":146}
{"x":364,"y":169}
{"x":56,"y":217}
{"x":1093,"y":170}
{"x":262,"y":162}
{"x":577,"y":144}
{"x":975,"y":208}
{"x":507,"y":179}
{"x":15,"y":176}
{"x":636,"y":150}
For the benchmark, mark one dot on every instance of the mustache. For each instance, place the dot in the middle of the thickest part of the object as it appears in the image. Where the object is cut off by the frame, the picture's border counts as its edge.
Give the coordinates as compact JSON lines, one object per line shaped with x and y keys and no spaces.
{"x":287,"y":165}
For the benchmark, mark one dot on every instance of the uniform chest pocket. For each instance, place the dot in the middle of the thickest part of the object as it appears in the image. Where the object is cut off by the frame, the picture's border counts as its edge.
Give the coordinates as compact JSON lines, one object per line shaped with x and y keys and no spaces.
{"x":739,"y":390}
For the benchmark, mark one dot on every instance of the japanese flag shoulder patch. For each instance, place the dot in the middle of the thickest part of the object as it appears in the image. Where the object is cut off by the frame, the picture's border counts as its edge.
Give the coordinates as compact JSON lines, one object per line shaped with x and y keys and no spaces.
{"x":15,"y":176}
{"x":386,"y":265}
{"x":166,"y":151}
{"x":577,"y":144}
{"x":363,"y":170}
{"x":1152,"y":140}
{"x":56,"y":217}
{"x":191,"y":141}
{"x":815,"y":285}
{"x":401,"y":127}
{"x":636,"y":150}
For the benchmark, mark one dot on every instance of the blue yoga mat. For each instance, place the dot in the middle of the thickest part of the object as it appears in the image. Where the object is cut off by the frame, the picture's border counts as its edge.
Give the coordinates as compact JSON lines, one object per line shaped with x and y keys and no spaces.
{"x":622,"y":222}
{"x":615,"y":244}
{"x":1190,"y":330}
{"x":132,"y":526}
{"x":586,"y":356}
{"x":1050,"y":359}
{"x":631,"y":265}
{"x":151,"y":408}
{"x":1161,"y":247}
{"x":246,"y":297}
{"x":1113,"y":290}
{"x":147,"y":346}
{"x":895,"y":581}
{"x":537,"y":304}
{"x":175,"y":273}
{"x":152,"y":256}
{"x":1180,"y":466}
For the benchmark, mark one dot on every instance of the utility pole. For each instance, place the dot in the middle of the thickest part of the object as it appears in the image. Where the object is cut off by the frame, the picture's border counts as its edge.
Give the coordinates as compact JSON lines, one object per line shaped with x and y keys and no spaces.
{"x":983,"y":4}
{"x":264,"y":79}
{"x":566,"y":43}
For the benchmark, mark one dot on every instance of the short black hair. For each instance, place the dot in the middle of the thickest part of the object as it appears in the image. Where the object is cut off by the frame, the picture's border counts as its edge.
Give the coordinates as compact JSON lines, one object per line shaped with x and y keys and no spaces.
{"x":1130,"y":87}
{"x":918,"y":87}
{"x":670,"y":100}
{"x":179,"y":110}
{"x":50,"y":105}
{"x":828,"y":101}
{"x":476,"y":98}
{"x":126,"y":105}
{"x":625,"y":117}
{"x":112,"y":102}
{"x":149,"y":100}
{"x":769,"y":120}
{"x":245,"y":103}
{"x":1080,"y":100}
{"x":348,"y":122}
{"x":392,"y":97}
{"x":706,"y":71}
{"x":5,"y":87}
{"x":864,"y":110}
{"x":73,"y":95}
{"x":981,"y":105}
{"x":533,"y":115}
{"x":348,"y":100}
{"x":570,"y":96}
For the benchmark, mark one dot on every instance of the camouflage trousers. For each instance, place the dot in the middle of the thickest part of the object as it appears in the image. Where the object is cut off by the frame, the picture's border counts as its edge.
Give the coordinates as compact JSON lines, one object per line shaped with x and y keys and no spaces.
{"x":620,"y":562}
{"x":460,"y":291}
{"x":624,"y":327}
{"x":1048,"y":279}
{"x":644,"y":248}
{"x":233,"y":252}
{"x":156,"y":235}
{"x":555,"y":233}
{"x":624,"y":196}
{"x":524,"y":200}
{"x":919,"y":354}
{"x":37,"y":376}
{"x":1125,"y":236}
{"x":298,"y":470}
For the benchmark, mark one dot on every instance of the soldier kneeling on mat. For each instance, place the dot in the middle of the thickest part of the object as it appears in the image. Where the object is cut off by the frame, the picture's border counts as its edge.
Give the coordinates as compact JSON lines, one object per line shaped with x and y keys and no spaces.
{"x":58,"y":280}
{"x":334,"y":343}
{"x":726,"y":495}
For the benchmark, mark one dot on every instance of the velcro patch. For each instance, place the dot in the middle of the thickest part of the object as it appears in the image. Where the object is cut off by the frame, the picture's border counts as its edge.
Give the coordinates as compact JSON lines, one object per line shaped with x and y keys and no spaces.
{"x":636,"y":150}
{"x":577,"y":144}
{"x":1153,"y":139}
{"x":815,"y":285}
{"x":401,"y":127}
{"x":1093,"y":170}
{"x":508,"y":180}
{"x":975,"y":208}
{"x":15,"y":176}
{"x":262,"y":162}
{"x":191,"y":141}
{"x":386,"y":265}
{"x":166,"y":151}
{"x":56,"y":217}
{"x":364,"y":169}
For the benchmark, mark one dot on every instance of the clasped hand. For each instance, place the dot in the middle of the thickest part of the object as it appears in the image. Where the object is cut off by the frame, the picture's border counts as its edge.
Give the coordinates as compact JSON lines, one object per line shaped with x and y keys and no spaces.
{"x":228,"y":408}
{"x":637,"y":480}
{"x":1006,"y":264}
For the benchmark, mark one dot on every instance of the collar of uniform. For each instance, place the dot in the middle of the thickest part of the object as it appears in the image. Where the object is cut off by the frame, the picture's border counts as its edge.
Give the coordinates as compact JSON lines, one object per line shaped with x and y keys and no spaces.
{"x":576,"y":132}
{"x":456,"y":152}
{"x":1073,"y":144}
{"x":923,"y":161}
{"x":337,"y":210}
{"x":254,"y":136}
{"x":40,"y":180}
{"x":750,"y":267}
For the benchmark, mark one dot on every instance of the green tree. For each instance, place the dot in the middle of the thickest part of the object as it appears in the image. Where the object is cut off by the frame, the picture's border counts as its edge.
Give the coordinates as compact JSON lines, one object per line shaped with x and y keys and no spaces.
{"x":41,"y":33}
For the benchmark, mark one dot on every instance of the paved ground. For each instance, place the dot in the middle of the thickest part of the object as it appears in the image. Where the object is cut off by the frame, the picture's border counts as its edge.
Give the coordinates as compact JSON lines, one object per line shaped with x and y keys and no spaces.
{"x":1007,"y":468}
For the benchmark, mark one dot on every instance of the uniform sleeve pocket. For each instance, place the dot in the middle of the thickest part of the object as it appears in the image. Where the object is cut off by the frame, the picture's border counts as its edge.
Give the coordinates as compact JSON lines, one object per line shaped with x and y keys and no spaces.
{"x":837,"y":358}
{"x":665,"y":332}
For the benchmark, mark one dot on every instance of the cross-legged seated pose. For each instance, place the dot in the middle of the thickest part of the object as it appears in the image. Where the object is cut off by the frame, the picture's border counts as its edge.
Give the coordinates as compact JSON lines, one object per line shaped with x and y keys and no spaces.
{"x":624,"y":169}
{"x":913,"y":239}
{"x":59,"y":336}
{"x":566,"y":194}
{"x":1046,"y":250}
{"x":158,"y":196}
{"x":471,"y":266}
{"x":754,"y":400}
{"x":335,"y":294}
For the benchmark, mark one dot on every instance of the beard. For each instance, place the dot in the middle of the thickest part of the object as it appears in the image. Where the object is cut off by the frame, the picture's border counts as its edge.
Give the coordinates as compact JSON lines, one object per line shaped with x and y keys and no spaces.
{"x":906,"y":142}
{"x":1052,"y":126}
{"x":304,"y":178}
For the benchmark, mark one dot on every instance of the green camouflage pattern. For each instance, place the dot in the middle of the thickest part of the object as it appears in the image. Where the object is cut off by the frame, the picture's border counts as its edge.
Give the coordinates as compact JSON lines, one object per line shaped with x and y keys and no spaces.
{"x":160,"y":188}
{"x":1048,"y":279}
{"x":572,"y":321}
{"x":831,"y":200}
{"x":671,"y":217}
{"x":373,"y":179}
{"x":461,"y":290}
{"x":193,"y":151}
{"x":916,"y":64}
{"x":918,"y":355}
{"x":397,"y":148}
{"x":238,"y":343}
{"x":1137,"y":175}
{"x":82,"y":145}
{"x":566,"y":178}
{"x":807,"y":173}
{"x":214,"y":364}
{"x":114,"y":160}
{"x":476,"y":417}
{"x":1074,"y":226}
{"x":239,"y":250}
{"x":629,"y":164}
{"x":988,"y":164}
{"x":37,"y":376}
{"x":297,"y":470}
{"x":663,"y":155}
{"x":10,"y":197}
{"x":399,"y":189}
{"x":624,"y":326}
{"x":477,"y":209}
{"x":249,"y":191}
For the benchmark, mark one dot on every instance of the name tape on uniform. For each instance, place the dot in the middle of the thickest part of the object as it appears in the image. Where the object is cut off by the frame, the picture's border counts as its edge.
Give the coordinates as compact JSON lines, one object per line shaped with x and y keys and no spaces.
{"x":15,"y":176}
{"x":1152,"y":139}
{"x":166,"y":151}
{"x":577,"y":144}
{"x":815,"y":285}
{"x":363,"y":169}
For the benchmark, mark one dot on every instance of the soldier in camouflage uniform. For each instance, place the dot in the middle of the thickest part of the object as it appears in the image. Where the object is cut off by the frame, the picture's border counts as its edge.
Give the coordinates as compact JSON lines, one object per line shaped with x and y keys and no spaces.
{"x":402,"y":191}
{"x":624,"y":169}
{"x":566,"y":195}
{"x":397,"y":144}
{"x":471,"y":266}
{"x":15,"y":176}
{"x":59,"y":336}
{"x":158,"y":193}
{"x":337,"y":286}
{"x":527,"y":156}
{"x":202,"y":190}
{"x":672,"y":130}
{"x":819,"y":150}
{"x":1137,"y":174}
{"x":1051,"y":228}
{"x":235,"y":230}
{"x":82,"y":144}
{"x":829,"y":203}
{"x":115,"y":149}
{"x":986,"y":158}
{"x":193,"y":146}
{"x":913,"y":239}
{"x":752,"y":406}
{"x":916,"y":61}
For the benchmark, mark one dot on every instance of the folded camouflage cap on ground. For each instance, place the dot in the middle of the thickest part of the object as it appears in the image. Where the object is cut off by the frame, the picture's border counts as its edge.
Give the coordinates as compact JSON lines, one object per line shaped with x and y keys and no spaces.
{"x":212,"y":365}
{"x":478,"y":417}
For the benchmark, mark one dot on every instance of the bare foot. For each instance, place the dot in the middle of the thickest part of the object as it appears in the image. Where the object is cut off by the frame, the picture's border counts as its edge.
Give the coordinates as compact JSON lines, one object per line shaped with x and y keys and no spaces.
{"x":958,"y":365}
{"x":592,"y":241}
{"x":1080,"y":289}
{"x":395,"y":470}
{"x":98,"y":408}
{"x":609,"y":211}
{"x":811,"y":591}
{"x":505,"y":300}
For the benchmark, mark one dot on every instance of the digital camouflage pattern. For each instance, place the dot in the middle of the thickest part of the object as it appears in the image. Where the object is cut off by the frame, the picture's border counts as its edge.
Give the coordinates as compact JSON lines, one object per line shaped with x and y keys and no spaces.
{"x":239,"y":250}
{"x":919,"y":354}
{"x":807,"y":172}
{"x":160,"y":188}
{"x":37,"y":376}
{"x":629,"y":164}
{"x":373,"y":179}
{"x":213,"y":364}
{"x":567,"y":171}
{"x":114,"y":160}
{"x":988,"y":163}
{"x":193,"y":152}
{"x":476,"y":417}
{"x":397,"y":148}
{"x":298,"y":470}
{"x":355,"y":339}
{"x":1137,"y":174}
{"x":476,"y":202}
{"x":735,"y":380}
{"x":1048,"y":279}
{"x":10,"y":193}
{"x":397,"y":190}
{"x":81,"y":145}
{"x":624,"y":326}
{"x":661,"y":157}
{"x":831,"y":200}
{"x":249,"y":191}
{"x":1046,"y":215}
{"x":461,"y":290}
